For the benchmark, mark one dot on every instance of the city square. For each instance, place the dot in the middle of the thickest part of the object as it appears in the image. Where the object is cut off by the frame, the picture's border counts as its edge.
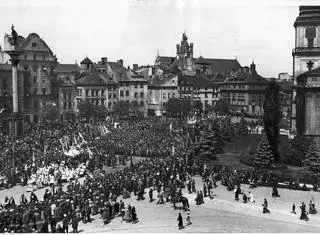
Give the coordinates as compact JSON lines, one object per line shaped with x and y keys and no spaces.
{"x":195,"y":141}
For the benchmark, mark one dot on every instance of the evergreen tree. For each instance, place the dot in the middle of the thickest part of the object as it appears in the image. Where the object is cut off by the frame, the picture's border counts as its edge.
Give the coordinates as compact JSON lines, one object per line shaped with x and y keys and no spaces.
{"x":264,"y":156}
{"x":242,"y":128}
{"x":312,"y":160}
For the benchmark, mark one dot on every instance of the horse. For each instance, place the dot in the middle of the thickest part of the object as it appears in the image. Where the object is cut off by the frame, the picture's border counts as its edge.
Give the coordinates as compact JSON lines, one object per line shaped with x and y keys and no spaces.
{"x":183,"y":200}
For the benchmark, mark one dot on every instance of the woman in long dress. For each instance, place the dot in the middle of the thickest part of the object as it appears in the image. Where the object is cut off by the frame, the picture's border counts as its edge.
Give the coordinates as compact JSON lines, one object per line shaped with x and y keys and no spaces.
{"x":180,"y":221}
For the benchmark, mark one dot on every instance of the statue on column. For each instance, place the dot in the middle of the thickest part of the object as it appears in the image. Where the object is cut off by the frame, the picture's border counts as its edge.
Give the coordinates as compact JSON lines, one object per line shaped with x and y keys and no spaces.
{"x":14,"y":36}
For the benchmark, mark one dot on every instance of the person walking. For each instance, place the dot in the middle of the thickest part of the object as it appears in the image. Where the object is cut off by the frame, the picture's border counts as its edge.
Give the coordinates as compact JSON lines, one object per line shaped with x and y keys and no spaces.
{"x":180,"y":221}
{"x":188,"y":218}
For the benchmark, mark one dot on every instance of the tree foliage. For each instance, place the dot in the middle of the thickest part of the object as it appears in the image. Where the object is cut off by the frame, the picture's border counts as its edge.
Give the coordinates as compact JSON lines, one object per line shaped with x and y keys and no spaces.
{"x":312,"y":160}
{"x":177,"y":107}
{"x":272,"y":116}
{"x":85,"y":109}
{"x":121,"y":108}
{"x":264,"y":157}
{"x":221,"y":107}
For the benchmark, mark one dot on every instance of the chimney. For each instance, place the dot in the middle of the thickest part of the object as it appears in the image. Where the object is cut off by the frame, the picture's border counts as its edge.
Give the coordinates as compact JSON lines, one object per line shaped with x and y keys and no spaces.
{"x":120,"y":62}
{"x":128,"y":67}
{"x":135,"y":67}
{"x":104,"y":60}
{"x":246,"y":69}
{"x":233,"y":71}
{"x":253,"y":67}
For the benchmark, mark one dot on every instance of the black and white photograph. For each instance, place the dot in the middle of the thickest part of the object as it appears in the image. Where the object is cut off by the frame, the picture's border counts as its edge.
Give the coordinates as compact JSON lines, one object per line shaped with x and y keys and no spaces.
{"x":159,"y":116}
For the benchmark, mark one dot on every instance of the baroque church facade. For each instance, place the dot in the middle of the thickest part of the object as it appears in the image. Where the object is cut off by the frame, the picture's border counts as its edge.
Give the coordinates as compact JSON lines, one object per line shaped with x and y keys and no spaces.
{"x":305,"y":119}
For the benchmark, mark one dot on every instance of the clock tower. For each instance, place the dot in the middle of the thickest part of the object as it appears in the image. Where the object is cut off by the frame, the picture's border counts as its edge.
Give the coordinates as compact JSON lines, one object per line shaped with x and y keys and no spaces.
{"x":306,"y":57}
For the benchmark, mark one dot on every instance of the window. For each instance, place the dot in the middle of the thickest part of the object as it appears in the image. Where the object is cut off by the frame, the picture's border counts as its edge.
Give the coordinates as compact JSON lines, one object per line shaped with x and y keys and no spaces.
{"x":109,"y":105}
{"x":206,"y":95}
{"x":64,"y":94}
{"x":87,"y":93}
{"x":34,"y":56}
{"x":141,"y":86}
{"x":43,"y":91}
{"x":136,"y":95}
{"x":102,"y":92}
{"x":79,"y":92}
{"x":141,"y":103}
{"x":121,"y":93}
{"x":109,"y":96}
{"x":35,"y":78}
{"x":43,"y":57}
{"x":127,"y":93}
{"x":114,"y":95}
{"x":141,"y":94}
{"x":64,"y":105}
{"x":97,"y":92}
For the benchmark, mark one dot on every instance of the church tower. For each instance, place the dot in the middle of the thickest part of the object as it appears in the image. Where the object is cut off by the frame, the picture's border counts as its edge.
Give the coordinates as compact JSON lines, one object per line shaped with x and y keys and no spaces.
{"x":185,"y":54}
{"x":306,"y":57}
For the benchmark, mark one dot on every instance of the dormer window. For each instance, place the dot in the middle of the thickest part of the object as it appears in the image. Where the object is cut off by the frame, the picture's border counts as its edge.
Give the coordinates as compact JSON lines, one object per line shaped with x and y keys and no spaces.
{"x":310,"y":35}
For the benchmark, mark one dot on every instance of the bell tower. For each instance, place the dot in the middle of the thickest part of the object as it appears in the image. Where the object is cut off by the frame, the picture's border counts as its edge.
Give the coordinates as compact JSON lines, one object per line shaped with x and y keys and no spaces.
{"x":306,"y":54}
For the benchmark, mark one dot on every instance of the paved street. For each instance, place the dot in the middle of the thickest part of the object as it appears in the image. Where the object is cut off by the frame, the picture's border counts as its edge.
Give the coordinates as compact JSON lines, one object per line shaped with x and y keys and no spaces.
{"x":222,"y":214}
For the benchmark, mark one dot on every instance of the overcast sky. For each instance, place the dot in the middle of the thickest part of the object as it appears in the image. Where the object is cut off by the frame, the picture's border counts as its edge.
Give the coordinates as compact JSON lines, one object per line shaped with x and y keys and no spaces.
{"x":133,"y":30}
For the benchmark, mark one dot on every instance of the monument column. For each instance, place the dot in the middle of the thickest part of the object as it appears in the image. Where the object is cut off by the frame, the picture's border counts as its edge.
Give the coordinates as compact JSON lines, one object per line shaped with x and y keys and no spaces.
{"x":16,"y":120}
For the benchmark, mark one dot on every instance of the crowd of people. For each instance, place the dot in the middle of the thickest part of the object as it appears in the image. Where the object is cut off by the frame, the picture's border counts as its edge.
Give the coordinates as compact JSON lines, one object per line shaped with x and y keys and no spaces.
{"x":42,"y":162}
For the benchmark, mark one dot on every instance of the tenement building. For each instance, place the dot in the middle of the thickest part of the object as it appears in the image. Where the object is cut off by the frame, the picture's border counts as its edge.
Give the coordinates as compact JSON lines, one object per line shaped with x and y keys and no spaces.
{"x":40,"y":83}
{"x":244,"y":91}
{"x":305,"y":118}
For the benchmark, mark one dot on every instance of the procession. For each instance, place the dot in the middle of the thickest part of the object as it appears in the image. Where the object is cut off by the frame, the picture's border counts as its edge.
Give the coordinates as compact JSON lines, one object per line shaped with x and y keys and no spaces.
{"x":159,"y":117}
{"x":78,"y":187}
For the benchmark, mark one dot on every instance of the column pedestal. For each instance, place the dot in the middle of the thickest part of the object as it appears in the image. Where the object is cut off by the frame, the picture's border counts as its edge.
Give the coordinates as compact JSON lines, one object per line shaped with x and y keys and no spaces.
{"x":16,"y":124}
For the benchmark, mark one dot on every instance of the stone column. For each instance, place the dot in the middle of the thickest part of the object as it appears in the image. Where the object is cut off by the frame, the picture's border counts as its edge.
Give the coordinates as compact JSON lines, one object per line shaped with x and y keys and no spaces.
{"x":15,"y":84}
{"x":16,"y":119}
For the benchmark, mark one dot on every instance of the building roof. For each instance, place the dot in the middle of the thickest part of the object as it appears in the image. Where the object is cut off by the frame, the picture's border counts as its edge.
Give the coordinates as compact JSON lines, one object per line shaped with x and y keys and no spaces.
{"x":246,"y":75}
{"x":312,"y":72}
{"x":161,"y":81}
{"x":95,"y":79}
{"x":86,"y":61}
{"x":165,"y":61}
{"x":308,"y":15}
{"x":26,"y":42}
{"x":67,"y":68}
{"x":223,"y":66}
{"x":219,"y":78}
{"x":198,"y":80}
{"x":201,"y":60}
{"x":119,"y":71}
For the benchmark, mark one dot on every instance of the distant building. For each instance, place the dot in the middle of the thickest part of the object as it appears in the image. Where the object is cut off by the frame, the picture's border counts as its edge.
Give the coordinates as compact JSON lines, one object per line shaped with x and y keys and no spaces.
{"x":284,"y":77}
{"x":305,"y":119}
{"x":97,"y":88}
{"x":40,"y":84}
{"x":160,"y":91}
{"x":185,"y":62}
{"x":286,"y":88}
{"x":197,"y":87}
{"x":244,"y":91}
{"x":132,"y":87}
{"x":66,"y":75}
